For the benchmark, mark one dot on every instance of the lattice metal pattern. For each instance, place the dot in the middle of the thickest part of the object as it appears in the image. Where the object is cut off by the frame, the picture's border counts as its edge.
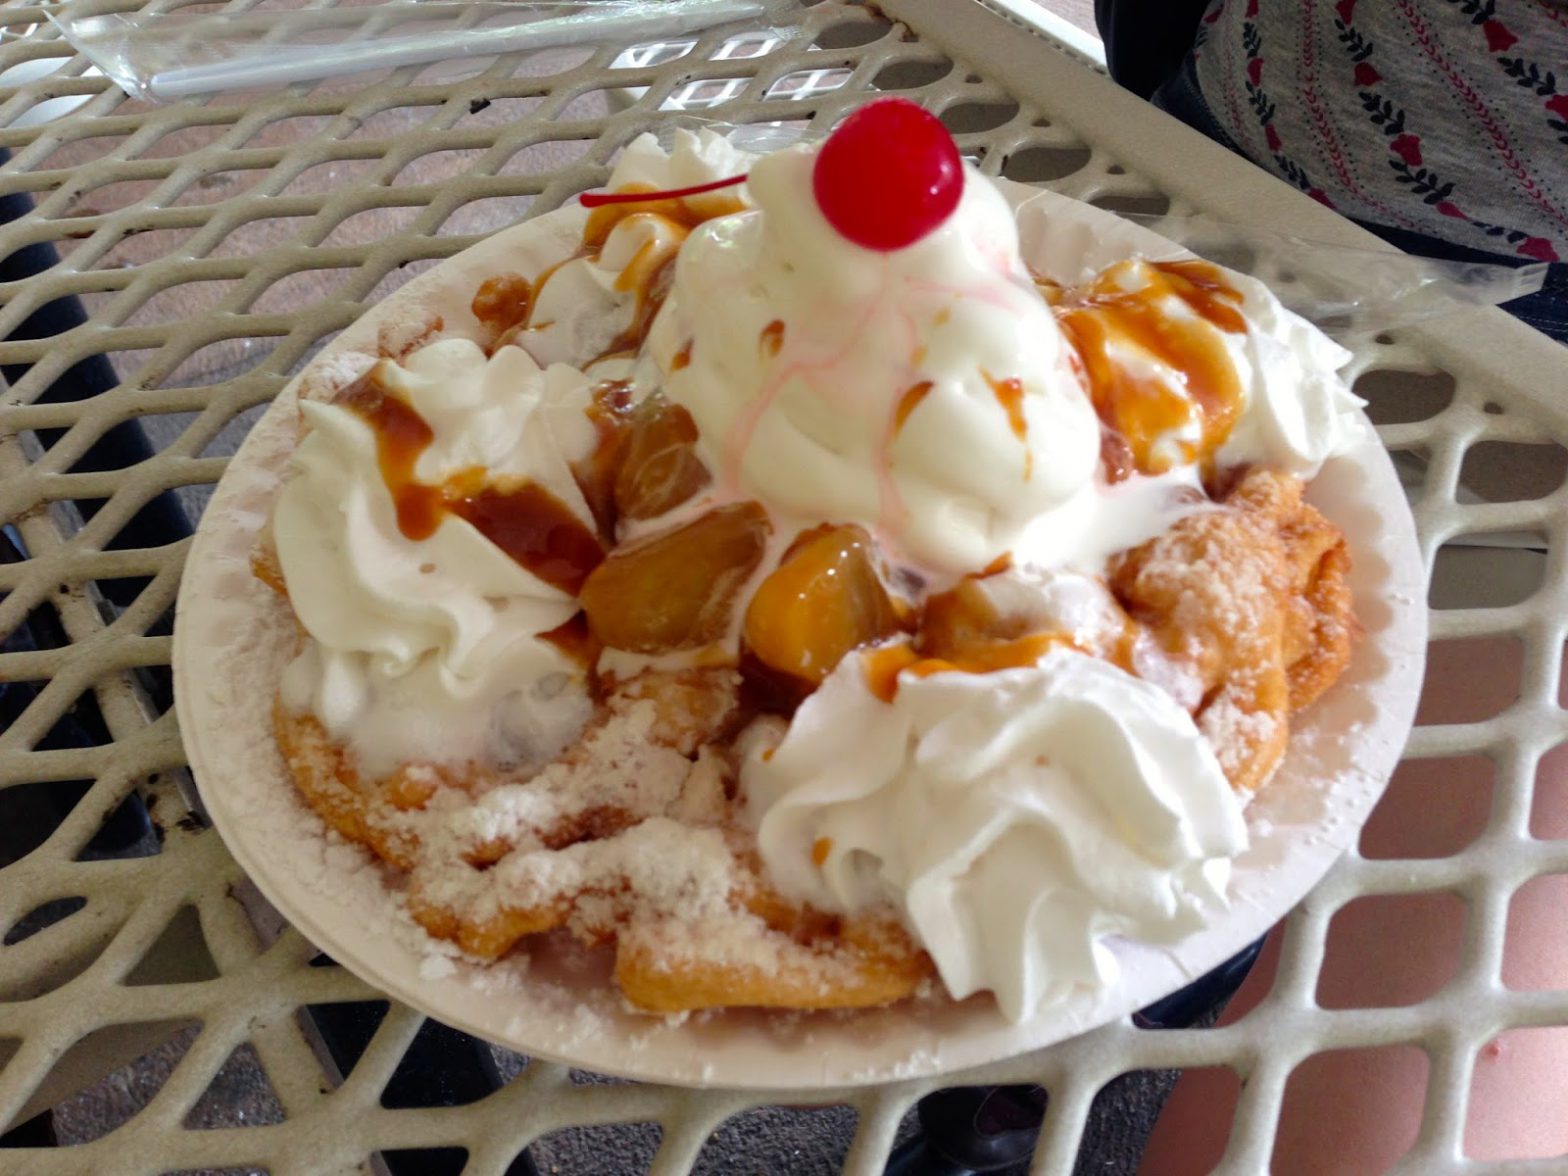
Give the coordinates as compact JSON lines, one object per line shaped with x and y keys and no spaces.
{"x":216,"y":245}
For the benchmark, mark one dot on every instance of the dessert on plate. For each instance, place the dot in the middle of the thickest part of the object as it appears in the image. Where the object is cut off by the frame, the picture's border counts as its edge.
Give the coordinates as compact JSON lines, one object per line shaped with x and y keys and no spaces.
{"x":787,"y":591}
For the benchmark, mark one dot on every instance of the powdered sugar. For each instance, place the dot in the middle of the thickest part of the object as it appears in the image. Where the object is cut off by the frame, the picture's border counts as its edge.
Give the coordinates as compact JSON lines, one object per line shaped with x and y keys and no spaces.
{"x":1233,"y":732}
{"x":615,"y":766}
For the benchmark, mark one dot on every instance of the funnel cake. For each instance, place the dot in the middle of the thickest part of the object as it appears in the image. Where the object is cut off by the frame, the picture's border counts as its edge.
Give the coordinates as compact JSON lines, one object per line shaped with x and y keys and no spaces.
{"x":654,"y":614}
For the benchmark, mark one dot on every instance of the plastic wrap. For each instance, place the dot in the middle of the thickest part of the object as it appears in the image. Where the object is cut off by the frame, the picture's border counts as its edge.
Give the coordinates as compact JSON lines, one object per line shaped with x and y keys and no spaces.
{"x":162,"y":56}
{"x":1344,"y":290}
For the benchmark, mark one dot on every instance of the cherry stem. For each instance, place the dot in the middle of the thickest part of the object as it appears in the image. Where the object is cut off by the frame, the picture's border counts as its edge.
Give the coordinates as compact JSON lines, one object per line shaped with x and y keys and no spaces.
{"x":598,"y":199}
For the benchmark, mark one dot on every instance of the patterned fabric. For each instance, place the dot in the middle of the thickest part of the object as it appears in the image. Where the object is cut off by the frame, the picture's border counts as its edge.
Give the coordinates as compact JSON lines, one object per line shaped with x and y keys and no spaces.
{"x":1447,"y":118}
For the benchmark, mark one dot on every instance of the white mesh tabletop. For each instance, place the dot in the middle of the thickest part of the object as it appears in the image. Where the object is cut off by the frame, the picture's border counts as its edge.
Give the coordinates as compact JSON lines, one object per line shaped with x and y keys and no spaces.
{"x":212,"y":246}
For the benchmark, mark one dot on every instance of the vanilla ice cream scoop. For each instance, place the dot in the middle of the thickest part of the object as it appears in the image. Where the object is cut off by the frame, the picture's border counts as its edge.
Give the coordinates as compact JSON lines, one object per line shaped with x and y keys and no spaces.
{"x":923,"y":392}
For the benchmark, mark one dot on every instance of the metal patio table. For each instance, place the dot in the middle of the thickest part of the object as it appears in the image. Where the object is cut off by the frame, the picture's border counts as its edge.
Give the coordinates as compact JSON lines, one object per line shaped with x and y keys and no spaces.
{"x":168,"y":267}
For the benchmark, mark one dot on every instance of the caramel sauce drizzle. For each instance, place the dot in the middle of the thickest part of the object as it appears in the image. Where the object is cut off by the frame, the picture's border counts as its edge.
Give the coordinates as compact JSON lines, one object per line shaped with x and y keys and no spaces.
{"x":1009,"y":394}
{"x":536,"y":529}
{"x":884,"y":664}
{"x":682,"y":357}
{"x":533,"y":527}
{"x":1140,"y":409}
{"x":772,"y":338}
{"x":1049,"y":288}
{"x":908,"y":402}
{"x":650,"y":277}
{"x":507,"y":302}
{"x":575,"y":639}
{"x":503,"y":301}
{"x":679,"y":211}
{"x":1123,"y":653}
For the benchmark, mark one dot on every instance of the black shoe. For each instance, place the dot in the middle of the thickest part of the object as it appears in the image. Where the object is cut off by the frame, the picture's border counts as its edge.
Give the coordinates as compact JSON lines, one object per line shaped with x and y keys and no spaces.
{"x":970,"y":1130}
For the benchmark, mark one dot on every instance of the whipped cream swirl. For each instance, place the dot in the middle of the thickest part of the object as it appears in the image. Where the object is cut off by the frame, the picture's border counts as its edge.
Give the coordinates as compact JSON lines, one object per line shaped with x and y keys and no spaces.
{"x":1014,"y":819}
{"x":1295,"y":411}
{"x":926,"y":393}
{"x":1299,"y":411}
{"x":588,"y":304}
{"x":428,"y":650}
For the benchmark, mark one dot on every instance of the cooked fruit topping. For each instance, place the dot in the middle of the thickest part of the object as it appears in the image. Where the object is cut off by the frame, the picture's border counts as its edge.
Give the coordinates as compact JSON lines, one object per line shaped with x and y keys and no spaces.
{"x":677,"y":589}
{"x":822,"y":601}
{"x":659,"y":466}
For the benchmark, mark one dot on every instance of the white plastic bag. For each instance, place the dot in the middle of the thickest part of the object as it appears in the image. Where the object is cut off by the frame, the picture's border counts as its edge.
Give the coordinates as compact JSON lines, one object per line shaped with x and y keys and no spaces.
{"x":162,"y":56}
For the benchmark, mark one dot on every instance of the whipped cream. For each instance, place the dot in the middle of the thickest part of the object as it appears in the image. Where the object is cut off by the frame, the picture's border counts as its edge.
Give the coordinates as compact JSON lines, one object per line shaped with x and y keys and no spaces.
{"x":1295,"y":411}
{"x":693,"y":158}
{"x":588,"y":304}
{"x":1299,"y":411}
{"x":1098,"y":520}
{"x":1014,"y":819}
{"x":586,"y":308}
{"x":929,"y":394}
{"x":428,"y":650}
{"x":926,"y":393}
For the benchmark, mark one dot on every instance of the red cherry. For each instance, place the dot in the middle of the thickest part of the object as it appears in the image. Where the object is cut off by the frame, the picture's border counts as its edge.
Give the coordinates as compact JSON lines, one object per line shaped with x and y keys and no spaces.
{"x":888,"y":175}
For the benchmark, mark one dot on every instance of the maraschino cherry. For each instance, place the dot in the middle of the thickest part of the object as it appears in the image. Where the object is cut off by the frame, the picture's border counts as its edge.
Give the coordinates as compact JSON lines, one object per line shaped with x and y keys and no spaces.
{"x":888,"y":175}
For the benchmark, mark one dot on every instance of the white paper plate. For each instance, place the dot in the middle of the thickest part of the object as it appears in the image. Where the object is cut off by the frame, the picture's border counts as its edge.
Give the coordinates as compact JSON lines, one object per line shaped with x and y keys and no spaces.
{"x":233,"y":638}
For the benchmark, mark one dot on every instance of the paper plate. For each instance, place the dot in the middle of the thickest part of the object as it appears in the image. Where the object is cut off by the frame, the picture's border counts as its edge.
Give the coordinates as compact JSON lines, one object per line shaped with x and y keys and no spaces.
{"x":233,"y":638}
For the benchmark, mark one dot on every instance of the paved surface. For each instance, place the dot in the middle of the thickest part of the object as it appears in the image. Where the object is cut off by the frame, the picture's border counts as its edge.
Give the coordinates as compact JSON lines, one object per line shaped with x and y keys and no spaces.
{"x":1080,"y":12}
{"x":760,"y":1142}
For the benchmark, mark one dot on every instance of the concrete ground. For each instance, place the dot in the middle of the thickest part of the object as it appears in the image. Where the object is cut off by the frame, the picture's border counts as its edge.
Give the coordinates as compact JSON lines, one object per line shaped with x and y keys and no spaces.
{"x":1080,"y":12}
{"x":761,"y":1142}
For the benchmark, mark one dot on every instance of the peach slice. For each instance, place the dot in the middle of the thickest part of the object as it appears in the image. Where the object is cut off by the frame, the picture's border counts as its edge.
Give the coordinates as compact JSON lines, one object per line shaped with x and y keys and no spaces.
{"x":977,"y":611}
{"x":659,"y":466}
{"x":676,"y":589}
{"x":986,"y":623}
{"x":610,"y":414}
{"x":822,"y":601}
